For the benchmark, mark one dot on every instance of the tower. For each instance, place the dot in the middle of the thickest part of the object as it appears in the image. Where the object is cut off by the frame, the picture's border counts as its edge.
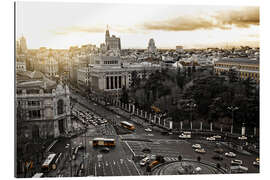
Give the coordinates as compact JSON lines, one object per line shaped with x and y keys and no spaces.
{"x":107,"y":35}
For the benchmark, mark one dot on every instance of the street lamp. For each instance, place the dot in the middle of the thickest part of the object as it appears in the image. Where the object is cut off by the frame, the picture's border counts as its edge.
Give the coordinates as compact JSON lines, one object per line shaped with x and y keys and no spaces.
{"x":191,"y":106}
{"x":232,"y":109}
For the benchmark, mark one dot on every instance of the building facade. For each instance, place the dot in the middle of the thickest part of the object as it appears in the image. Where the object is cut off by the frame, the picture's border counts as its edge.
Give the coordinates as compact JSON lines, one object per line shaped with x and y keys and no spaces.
{"x":43,"y":107}
{"x":151,"y":46}
{"x":245,"y":68}
{"x":112,"y":42}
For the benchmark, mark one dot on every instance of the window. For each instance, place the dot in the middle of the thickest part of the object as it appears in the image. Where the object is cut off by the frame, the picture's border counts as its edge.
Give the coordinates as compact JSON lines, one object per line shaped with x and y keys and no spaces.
{"x":60,"y":107}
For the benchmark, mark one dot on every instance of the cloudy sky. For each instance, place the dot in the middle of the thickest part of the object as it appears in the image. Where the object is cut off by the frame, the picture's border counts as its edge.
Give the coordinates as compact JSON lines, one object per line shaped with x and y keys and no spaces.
{"x":61,"y":25}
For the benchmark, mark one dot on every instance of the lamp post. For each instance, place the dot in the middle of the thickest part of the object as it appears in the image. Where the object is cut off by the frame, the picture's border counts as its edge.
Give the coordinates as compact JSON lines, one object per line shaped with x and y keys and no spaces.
{"x":232,"y":109}
{"x":191,"y":106}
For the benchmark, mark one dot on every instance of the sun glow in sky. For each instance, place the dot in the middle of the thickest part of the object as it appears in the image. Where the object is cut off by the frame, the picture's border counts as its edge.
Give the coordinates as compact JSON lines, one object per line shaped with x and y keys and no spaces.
{"x":61,"y":25}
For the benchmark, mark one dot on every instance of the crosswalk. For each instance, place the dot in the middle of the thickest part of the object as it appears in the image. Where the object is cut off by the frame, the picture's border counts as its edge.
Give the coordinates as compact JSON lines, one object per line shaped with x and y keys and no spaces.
{"x":170,"y":159}
{"x":116,"y":167}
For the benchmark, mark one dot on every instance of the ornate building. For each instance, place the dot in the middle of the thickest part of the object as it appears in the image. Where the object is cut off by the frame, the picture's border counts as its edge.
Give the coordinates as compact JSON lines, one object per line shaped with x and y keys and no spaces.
{"x":43,"y":107}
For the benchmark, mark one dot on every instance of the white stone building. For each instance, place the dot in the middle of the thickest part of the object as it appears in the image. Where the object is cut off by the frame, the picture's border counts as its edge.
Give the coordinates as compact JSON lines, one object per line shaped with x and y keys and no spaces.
{"x":43,"y":107}
{"x":51,"y":66}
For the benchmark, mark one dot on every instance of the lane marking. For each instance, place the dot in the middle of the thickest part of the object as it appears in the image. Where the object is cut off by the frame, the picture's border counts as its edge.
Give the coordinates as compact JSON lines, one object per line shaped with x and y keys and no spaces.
{"x":95,"y":169}
{"x":112,"y":170}
{"x":119,"y":169}
{"x":103,"y":169}
{"x":127,"y":168}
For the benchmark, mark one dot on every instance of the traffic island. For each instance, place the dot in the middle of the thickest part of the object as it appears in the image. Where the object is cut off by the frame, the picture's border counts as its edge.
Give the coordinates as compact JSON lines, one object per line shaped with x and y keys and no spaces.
{"x":185,"y":167}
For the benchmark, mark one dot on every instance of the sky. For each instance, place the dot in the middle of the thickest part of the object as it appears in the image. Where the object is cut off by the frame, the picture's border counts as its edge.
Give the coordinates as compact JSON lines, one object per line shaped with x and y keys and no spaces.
{"x":61,"y":25}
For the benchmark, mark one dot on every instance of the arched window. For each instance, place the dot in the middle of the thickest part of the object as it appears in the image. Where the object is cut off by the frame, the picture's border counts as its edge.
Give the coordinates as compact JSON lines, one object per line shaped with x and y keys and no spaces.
{"x":60,"y":107}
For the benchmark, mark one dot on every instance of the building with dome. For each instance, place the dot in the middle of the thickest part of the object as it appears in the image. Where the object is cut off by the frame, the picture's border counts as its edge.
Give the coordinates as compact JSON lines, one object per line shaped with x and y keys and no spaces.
{"x":43,"y":106}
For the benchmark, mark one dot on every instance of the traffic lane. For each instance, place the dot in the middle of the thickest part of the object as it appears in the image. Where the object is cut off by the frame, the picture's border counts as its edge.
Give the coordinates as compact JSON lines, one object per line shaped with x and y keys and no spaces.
{"x":247,"y":159}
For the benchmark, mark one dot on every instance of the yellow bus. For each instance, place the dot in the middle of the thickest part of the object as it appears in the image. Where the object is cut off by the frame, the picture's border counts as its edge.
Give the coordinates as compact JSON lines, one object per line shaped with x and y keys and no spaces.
{"x":47,"y":165}
{"x":103,"y":142}
{"x":127,"y":125}
{"x":156,"y":109}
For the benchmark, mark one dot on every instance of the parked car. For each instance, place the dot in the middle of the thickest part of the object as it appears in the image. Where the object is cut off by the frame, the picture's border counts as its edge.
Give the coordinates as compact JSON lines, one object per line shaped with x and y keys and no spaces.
{"x":197,"y":146}
{"x":242,"y":137}
{"x":236,"y":162}
{"x":217,"y":137}
{"x":154,"y":163}
{"x":230,"y":154}
{"x":146,"y":150}
{"x":200,"y":150}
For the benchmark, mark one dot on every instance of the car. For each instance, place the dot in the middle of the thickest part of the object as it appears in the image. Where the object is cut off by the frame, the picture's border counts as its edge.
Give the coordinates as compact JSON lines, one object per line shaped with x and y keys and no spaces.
{"x":256,"y":163}
{"x":236,"y":162}
{"x":218,"y":157}
{"x":219,"y":150}
{"x":105,"y":150}
{"x":210,"y":139}
{"x":217,"y":137}
{"x":148,"y":130}
{"x":197,"y":146}
{"x":154,"y":163}
{"x":200,"y":150}
{"x":242,"y":138}
{"x":146,"y":150}
{"x":144,"y":161}
{"x":198,"y":169}
{"x":230,"y":154}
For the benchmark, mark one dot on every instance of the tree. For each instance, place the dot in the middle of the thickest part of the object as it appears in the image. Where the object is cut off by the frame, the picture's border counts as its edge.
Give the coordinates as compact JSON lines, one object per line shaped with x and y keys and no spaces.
{"x":218,"y":165}
{"x":180,"y":158}
{"x":124,"y":97}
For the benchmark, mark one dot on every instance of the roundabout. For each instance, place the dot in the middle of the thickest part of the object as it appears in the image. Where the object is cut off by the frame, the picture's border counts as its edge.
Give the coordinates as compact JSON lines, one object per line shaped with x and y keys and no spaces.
{"x":187,"y":167}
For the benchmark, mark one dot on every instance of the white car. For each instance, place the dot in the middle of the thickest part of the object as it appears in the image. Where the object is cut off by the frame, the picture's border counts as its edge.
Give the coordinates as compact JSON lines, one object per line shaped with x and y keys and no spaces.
{"x":198,"y":169}
{"x":144,"y":161}
{"x":210,"y":139}
{"x":197,"y":146}
{"x":230,"y":154}
{"x":236,"y":162}
{"x":217,"y":137}
{"x":200,"y":150}
{"x":242,"y":137}
{"x":148,"y":130}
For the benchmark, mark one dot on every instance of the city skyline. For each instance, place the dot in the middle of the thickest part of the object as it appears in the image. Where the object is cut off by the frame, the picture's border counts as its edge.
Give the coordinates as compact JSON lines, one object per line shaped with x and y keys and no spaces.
{"x":81,"y":23}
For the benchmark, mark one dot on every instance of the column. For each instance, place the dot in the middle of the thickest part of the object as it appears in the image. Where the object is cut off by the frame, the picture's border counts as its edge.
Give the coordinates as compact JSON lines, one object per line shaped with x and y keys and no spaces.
{"x":243,"y":133}
{"x":211,"y":126}
{"x":158,"y":120}
{"x":181,"y":125}
{"x":201,"y":125}
{"x":190,"y":125}
{"x":171,"y":124}
{"x":155,"y":119}
{"x":137,"y":112}
{"x":133,"y":109}
{"x":255,"y":131}
{"x":141,"y":113}
{"x":221,"y":128}
{"x":150,"y":118}
{"x":113,"y":82}
{"x":164,"y":123}
{"x":145,"y":115}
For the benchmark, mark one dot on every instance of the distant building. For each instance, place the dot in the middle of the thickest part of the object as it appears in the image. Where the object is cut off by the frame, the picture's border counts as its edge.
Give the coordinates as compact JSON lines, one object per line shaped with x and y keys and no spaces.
{"x":20,"y":66}
{"x":51,"y":66}
{"x":43,"y":107}
{"x":109,"y":74}
{"x":112,"y":42}
{"x":21,"y":45}
{"x":151,"y":46}
{"x":245,"y":67}
{"x":179,"y":48}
